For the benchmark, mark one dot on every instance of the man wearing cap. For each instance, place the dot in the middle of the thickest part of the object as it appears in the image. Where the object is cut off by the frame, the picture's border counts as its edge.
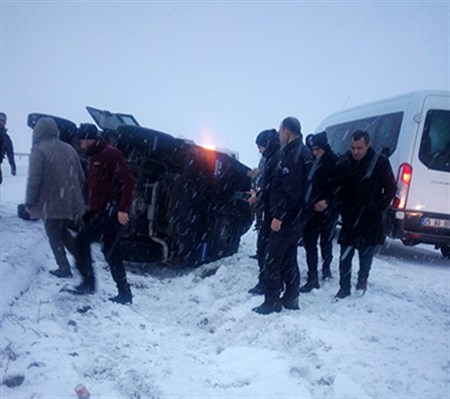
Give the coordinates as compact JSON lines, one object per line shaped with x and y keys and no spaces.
{"x":287,"y":200}
{"x":6,"y":147}
{"x":54,"y":190}
{"x":110,"y":192}
{"x":268,"y":144}
{"x":322,"y":220}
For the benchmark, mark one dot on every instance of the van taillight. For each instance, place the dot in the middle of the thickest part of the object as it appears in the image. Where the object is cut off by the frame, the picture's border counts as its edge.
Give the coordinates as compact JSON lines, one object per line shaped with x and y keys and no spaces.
{"x":403,"y":181}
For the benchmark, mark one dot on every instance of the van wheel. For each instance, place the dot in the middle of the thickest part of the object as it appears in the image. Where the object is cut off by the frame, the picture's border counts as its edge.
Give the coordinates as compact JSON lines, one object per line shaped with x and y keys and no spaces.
{"x":446,"y":251}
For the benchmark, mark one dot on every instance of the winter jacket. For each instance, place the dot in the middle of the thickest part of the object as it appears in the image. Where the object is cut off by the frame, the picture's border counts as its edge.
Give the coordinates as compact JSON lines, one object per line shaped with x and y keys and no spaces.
{"x":287,"y":194}
{"x":55,"y":176}
{"x":366,"y":190}
{"x":110,"y":178}
{"x":6,"y":148}
{"x":272,"y":159}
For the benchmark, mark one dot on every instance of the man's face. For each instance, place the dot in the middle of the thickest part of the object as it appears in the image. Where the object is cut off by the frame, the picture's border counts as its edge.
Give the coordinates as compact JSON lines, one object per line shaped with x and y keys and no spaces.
{"x":317,"y":152}
{"x":359,"y":149}
{"x":2,"y":121}
{"x":86,"y":144}
{"x":284,"y":135}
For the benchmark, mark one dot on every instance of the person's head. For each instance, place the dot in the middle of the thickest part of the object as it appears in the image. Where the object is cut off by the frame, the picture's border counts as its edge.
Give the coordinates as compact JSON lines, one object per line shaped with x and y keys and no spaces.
{"x":88,"y":134}
{"x":45,"y":129}
{"x":318,"y":144}
{"x":360,"y":143}
{"x":290,"y":129}
{"x":267,"y":139}
{"x":2,"y":120}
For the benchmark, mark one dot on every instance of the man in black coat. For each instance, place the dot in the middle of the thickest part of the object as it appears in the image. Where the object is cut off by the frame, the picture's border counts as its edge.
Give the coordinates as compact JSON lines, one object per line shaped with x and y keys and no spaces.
{"x":268,"y":144}
{"x":323,"y":217}
{"x":287,"y":198}
{"x":367,"y":186}
{"x":6,"y":146}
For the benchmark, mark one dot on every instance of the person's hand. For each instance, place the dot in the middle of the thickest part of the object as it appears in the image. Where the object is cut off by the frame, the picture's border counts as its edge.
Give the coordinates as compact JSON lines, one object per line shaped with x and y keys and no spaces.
{"x":321,"y":205}
{"x":276,"y":224}
{"x":252,"y":196}
{"x":122,"y":217}
{"x":13,"y":172}
{"x":28,"y":210}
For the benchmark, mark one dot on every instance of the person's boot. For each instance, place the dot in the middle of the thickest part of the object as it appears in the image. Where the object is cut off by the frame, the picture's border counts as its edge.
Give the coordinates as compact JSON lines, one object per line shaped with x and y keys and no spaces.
{"x":291,"y":304}
{"x":310,"y":285}
{"x":271,"y":304}
{"x":61,"y":273}
{"x":86,"y":287}
{"x":342,"y":293}
{"x":124,"y":296}
{"x":326,"y":275}
{"x":361,"y":286}
{"x":256,"y":290}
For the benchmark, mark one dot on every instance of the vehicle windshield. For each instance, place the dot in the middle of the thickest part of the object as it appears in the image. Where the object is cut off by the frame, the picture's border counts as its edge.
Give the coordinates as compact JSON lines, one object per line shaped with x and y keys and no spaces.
{"x":435,"y":145}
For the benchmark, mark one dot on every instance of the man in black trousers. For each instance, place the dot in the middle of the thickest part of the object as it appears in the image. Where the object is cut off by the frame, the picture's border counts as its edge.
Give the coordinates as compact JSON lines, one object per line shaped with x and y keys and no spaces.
{"x":287,"y":199}
{"x":367,"y":186}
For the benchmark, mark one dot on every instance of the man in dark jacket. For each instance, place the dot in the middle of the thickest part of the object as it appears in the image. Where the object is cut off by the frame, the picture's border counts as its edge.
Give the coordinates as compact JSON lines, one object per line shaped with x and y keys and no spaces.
{"x":110,"y":192}
{"x":6,"y":147}
{"x":287,"y":199}
{"x":367,"y":186}
{"x":268,"y":144}
{"x":322,"y":221}
{"x":54,"y":190}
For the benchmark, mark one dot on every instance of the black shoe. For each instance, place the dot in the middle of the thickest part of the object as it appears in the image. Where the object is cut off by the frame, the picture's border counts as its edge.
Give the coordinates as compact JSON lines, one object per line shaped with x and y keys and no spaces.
{"x":122,"y":298}
{"x":291,"y":304}
{"x":269,"y":306}
{"x":326,"y":275}
{"x":85,"y":288}
{"x":256,"y":290}
{"x":361,"y":286}
{"x":342,"y":293}
{"x":61,"y":273}
{"x":309,"y":286}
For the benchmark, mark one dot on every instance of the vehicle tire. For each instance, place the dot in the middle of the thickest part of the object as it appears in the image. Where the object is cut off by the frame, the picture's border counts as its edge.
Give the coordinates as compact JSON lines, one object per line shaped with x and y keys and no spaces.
{"x":445,"y":250}
{"x":409,"y":243}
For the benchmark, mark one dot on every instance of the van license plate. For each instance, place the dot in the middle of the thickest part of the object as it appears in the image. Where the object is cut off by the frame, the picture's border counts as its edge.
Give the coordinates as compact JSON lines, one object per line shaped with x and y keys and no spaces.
{"x":431,"y":222}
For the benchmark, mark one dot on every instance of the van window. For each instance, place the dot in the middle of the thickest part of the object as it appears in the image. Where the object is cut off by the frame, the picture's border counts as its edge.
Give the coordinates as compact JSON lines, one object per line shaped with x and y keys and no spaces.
{"x":435,"y":145}
{"x":383,"y":130}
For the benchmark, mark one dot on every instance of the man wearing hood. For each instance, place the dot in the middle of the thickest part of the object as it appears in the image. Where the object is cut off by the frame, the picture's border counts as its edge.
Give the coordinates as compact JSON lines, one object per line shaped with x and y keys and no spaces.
{"x":367,"y":186}
{"x":268,"y":144}
{"x":54,"y":190}
{"x":6,"y":147}
{"x":111,"y":185}
{"x":322,"y":221}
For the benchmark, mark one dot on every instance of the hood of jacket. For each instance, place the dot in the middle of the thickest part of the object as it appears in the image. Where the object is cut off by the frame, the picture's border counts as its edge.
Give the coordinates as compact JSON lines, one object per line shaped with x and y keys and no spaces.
{"x":45,"y":129}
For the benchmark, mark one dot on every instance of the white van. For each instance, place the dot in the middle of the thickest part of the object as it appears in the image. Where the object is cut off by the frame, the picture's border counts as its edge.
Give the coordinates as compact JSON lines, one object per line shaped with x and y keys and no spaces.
{"x":413,"y":130}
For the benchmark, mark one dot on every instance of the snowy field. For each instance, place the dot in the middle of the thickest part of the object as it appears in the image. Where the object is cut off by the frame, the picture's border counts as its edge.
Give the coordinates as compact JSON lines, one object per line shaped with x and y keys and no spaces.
{"x":192,"y":334}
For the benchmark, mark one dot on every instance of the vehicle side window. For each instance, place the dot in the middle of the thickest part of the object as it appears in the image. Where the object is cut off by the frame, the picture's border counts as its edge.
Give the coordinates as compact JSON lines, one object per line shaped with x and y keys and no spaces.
{"x":383,"y":130}
{"x":434,"y":149}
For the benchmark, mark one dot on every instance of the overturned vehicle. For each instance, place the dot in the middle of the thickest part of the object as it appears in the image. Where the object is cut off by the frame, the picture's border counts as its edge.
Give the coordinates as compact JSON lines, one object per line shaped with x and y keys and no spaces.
{"x":189,"y":206}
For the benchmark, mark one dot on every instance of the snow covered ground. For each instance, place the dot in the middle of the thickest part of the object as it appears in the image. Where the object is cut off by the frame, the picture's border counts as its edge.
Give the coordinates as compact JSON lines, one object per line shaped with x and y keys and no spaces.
{"x":192,"y":334}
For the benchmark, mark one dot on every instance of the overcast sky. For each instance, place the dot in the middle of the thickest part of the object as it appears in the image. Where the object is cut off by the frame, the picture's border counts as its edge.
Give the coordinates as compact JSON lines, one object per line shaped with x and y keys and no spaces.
{"x":215,"y":72}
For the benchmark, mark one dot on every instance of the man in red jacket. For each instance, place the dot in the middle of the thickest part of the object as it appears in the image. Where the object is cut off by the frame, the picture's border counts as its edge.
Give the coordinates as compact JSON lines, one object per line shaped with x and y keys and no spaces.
{"x":110,"y":192}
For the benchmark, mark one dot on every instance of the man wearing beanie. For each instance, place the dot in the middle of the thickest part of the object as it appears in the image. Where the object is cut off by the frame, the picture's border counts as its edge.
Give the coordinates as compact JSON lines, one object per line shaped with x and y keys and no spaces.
{"x":6,"y":147}
{"x":287,"y":199}
{"x":110,"y":192}
{"x":322,"y":222}
{"x":54,"y":190}
{"x":268,"y":144}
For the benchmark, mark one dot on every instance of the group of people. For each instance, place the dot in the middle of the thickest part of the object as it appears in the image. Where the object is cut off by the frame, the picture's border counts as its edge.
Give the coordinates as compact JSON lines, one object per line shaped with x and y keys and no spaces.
{"x":56,"y":192}
{"x":302,"y":191}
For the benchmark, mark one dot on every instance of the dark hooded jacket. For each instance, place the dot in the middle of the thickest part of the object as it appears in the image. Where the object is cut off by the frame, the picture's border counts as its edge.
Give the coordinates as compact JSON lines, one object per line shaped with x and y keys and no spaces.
{"x":110,"y":178}
{"x":6,"y":148}
{"x":55,"y":176}
{"x":366,"y":190}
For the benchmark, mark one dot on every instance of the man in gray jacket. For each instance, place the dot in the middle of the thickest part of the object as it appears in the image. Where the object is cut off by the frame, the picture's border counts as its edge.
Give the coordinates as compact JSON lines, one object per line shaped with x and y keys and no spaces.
{"x":54,"y":190}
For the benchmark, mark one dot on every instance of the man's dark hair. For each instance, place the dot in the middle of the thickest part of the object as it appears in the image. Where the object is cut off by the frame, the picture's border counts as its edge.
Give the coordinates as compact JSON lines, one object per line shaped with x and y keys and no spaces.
{"x":293,"y":125}
{"x":3,"y":114}
{"x":361,"y":134}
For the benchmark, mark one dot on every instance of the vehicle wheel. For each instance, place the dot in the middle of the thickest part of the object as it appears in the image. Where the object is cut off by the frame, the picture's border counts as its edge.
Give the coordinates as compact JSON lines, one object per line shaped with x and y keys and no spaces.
{"x":445,"y":251}
{"x":409,"y":243}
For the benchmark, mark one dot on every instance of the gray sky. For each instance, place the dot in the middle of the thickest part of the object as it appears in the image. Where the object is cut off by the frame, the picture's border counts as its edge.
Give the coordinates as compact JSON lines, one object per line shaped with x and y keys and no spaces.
{"x":215,"y":72}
